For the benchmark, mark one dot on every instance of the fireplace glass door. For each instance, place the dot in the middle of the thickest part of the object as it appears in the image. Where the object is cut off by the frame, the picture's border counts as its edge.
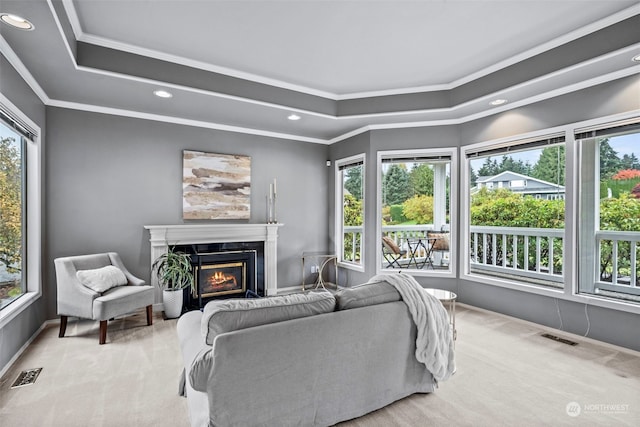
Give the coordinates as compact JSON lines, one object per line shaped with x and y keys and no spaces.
{"x":216,"y":279}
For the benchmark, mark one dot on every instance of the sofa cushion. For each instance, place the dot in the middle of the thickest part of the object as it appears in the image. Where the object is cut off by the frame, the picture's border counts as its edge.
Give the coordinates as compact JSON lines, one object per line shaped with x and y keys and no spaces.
{"x":366,"y":294}
{"x":229,"y":315}
{"x":102,"y":279}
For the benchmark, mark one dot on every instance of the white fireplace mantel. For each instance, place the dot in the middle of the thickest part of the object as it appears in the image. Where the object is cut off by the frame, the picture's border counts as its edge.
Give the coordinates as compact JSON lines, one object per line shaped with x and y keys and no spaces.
{"x":163,"y":236}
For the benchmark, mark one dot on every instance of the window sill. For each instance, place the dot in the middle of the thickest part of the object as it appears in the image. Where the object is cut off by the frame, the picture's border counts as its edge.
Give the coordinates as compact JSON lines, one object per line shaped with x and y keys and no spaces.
{"x":12,"y":310}
{"x":448,"y":274}
{"x":350,"y":266}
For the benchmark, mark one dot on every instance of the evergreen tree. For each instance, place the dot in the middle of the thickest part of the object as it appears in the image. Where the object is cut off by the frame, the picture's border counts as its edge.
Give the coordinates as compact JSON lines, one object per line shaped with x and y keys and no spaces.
{"x":421,"y":177}
{"x":353,"y":183}
{"x":473,"y":177}
{"x":630,"y":162}
{"x":488,"y":168}
{"x":610,"y":163}
{"x":551,"y":165}
{"x":510,"y":165}
{"x":396,"y":186}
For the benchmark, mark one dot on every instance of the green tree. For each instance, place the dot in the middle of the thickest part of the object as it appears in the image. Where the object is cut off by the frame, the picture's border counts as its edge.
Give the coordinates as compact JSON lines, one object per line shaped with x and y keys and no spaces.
{"x":352,"y":216}
{"x":511,"y":165}
{"x":10,"y":205}
{"x":352,"y":212}
{"x":473,"y":176}
{"x":396,"y":186}
{"x":630,"y":162}
{"x":421,"y":177}
{"x":610,"y":163}
{"x":353,"y":183}
{"x":551,"y":165}
{"x":489,"y":168}
{"x":419,"y":209}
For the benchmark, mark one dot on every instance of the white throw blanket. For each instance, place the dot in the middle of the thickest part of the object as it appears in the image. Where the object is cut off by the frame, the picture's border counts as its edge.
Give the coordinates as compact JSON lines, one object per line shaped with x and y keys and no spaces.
{"x":434,"y":341}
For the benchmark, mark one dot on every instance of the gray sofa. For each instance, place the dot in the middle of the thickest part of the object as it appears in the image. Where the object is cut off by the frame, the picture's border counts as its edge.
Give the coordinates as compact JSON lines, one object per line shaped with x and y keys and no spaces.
{"x":311,"y":359}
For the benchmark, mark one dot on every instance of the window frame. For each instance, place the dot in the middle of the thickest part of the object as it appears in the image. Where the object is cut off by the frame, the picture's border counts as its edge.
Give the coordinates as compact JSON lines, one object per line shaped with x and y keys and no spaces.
{"x":571,"y":270}
{"x":589,"y":229}
{"x":33,"y":218}
{"x":339,"y":212}
{"x":451,"y":152}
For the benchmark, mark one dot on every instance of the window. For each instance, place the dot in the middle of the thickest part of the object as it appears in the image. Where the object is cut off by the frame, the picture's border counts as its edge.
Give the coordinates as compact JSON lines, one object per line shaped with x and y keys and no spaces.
{"x":20,"y":246}
{"x":416,"y":202}
{"x":12,"y":284}
{"x":350,"y":211}
{"x":516,"y":233}
{"x":610,"y":211}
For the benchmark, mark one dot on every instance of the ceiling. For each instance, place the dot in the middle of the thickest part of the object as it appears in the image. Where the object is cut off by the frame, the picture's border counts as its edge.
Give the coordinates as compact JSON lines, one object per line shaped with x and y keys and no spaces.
{"x":342,"y":66}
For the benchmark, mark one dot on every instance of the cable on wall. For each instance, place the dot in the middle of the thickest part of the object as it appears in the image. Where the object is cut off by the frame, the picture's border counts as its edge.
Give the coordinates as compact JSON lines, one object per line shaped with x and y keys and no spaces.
{"x":586,"y":313}
{"x":559,"y":315}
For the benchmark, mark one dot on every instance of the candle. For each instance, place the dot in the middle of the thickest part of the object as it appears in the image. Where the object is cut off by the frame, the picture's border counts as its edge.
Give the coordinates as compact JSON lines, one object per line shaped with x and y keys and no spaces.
{"x":274,"y":187}
{"x":271,"y":191}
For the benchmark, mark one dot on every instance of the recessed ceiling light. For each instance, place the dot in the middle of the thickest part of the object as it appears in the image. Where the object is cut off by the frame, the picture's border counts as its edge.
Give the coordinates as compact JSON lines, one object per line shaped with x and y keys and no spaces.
{"x":498,"y":102}
{"x":162,"y":93}
{"x":16,"y":21}
{"x":293,"y":117}
{"x":636,"y":58}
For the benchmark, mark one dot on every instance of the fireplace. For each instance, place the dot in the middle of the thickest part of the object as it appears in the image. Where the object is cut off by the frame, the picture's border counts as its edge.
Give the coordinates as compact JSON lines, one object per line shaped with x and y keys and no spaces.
{"x":221,"y":279}
{"x":224,"y":273}
{"x":259,"y":240}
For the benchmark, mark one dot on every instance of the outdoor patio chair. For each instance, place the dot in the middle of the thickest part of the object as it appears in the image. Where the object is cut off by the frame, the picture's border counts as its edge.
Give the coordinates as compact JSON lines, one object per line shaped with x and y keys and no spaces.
{"x":392,"y":252}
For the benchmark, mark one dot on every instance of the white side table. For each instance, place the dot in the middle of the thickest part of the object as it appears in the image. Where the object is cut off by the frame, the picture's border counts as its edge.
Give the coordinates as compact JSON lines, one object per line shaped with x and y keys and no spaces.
{"x":447,"y":298}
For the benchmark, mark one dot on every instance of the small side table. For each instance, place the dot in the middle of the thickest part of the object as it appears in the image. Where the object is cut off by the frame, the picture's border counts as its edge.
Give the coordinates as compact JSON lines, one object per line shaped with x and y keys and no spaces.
{"x":322,"y":259}
{"x":448,"y":298}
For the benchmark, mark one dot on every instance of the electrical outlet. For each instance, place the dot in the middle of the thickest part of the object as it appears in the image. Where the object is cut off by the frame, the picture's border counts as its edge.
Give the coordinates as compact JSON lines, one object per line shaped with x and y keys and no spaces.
{"x":314,"y":268}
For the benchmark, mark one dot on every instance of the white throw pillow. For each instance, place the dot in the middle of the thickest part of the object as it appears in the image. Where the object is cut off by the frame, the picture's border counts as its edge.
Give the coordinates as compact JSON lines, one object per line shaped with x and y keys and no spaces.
{"x":102,"y":279}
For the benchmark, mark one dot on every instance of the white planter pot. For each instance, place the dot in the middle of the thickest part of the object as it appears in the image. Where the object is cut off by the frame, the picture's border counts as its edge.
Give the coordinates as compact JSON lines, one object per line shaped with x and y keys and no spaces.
{"x":172,"y":301}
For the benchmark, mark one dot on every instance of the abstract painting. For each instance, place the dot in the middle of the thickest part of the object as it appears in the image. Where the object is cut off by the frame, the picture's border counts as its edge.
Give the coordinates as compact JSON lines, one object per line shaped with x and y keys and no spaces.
{"x":215,"y":186}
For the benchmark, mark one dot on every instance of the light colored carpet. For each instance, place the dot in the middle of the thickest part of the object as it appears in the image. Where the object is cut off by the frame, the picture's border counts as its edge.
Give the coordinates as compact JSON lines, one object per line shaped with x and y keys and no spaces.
{"x":507,"y":375}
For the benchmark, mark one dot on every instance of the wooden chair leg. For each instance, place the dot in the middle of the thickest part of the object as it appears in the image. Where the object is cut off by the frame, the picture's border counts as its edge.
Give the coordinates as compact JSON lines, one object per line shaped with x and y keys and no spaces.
{"x":149,"y":315}
{"x":63,"y":326}
{"x":103,"y":331}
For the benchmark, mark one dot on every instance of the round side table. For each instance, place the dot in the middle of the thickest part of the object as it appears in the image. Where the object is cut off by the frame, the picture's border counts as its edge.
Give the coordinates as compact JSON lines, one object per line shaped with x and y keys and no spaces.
{"x":447,"y":298}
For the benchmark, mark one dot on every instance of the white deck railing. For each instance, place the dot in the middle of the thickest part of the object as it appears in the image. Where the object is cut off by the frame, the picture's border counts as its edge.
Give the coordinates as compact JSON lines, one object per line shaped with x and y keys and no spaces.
{"x":618,"y":252}
{"x":533,"y":253}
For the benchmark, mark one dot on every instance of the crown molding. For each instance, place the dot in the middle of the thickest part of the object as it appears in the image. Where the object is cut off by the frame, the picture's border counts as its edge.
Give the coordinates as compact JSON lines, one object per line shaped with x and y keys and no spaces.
{"x":82,"y":36}
{"x":180,"y":121}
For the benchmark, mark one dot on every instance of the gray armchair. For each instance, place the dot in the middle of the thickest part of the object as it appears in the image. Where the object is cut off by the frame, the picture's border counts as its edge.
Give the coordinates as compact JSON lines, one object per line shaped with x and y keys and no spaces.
{"x":85,"y":295}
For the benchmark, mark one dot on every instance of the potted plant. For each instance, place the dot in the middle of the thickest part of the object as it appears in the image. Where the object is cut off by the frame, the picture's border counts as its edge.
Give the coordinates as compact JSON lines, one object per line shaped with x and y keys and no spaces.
{"x":175,"y":273}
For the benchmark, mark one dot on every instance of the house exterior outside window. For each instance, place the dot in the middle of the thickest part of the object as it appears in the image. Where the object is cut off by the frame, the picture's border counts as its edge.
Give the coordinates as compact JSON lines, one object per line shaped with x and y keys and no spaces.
{"x":515,"y":232}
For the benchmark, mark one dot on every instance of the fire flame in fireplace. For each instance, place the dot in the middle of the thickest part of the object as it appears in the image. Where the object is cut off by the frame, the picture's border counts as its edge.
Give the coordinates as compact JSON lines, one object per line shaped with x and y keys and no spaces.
{"x":220,"y":278}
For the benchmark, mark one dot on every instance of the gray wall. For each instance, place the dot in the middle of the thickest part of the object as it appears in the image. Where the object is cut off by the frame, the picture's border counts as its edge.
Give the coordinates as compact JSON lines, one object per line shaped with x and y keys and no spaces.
{"x":108,"y":176}
{"x":21,"y":328}
{"x":615,"y":97}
